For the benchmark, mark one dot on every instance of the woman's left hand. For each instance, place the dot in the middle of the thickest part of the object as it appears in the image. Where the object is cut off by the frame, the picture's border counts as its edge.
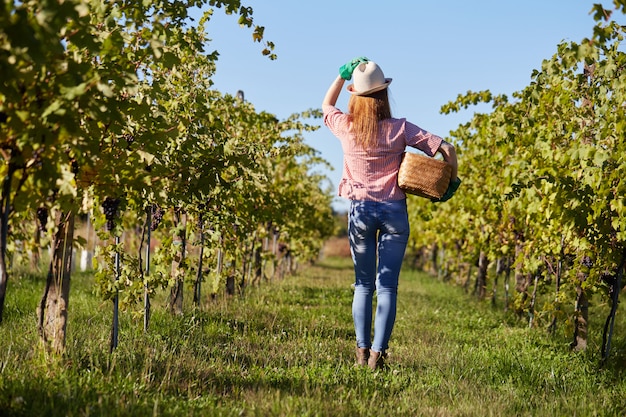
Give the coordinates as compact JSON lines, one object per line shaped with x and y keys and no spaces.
{"x":346,"y":70}
{"x":452,"y":187}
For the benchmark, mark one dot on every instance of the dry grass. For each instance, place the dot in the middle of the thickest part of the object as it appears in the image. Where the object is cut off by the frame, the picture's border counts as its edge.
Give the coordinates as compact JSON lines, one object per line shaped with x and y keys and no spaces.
{"x":337,"y":246}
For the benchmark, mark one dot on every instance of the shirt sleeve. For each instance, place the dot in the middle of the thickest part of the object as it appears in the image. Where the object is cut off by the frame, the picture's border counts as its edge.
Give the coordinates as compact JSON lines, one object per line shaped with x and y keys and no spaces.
{"x":419,"y":138}
{"x":335,"y":119}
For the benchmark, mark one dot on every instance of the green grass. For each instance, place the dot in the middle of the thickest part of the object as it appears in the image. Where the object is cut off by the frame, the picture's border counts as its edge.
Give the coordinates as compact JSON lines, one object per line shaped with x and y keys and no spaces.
{"x":287,"y":349}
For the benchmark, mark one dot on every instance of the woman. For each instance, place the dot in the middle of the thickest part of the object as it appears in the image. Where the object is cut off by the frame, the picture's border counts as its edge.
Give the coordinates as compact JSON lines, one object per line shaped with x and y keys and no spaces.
{"x":373,"y":143}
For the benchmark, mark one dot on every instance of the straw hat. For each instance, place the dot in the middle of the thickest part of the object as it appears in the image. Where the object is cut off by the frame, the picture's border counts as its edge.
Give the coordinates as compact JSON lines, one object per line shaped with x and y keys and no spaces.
{"x":368,"y":78}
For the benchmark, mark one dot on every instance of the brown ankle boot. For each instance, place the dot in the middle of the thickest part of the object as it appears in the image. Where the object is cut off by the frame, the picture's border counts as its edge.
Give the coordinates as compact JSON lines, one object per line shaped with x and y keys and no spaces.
{"x":376,"y":360}
{"x":362,"y":355}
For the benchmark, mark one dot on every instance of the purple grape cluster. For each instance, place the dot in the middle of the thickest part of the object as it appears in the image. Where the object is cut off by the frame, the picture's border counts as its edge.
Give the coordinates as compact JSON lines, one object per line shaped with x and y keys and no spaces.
{"x":74,"y":165}
{"x":157,"y":216}
{"x":42,"y":217}
{"x":37,"y":160}
{"x":586,"y":262}
{"x":129,"y":140}
{"x":109,"y":206}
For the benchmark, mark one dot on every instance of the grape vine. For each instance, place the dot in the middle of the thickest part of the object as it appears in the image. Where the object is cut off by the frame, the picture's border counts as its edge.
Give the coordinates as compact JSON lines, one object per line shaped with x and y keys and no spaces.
{"x":543,"y":175}
{"x":99,"y":105}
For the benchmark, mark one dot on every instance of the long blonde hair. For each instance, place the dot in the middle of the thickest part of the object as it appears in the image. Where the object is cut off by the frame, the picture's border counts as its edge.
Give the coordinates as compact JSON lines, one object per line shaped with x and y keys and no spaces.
{"x":366,"y":112}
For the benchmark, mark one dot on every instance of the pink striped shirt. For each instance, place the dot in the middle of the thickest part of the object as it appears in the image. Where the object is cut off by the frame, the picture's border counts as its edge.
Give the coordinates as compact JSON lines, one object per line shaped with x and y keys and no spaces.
{"x":373,"y":175}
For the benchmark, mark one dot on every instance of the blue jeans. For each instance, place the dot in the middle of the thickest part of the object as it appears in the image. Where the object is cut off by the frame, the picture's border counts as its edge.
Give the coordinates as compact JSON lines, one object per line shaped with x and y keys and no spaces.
{"x":378,"y":232}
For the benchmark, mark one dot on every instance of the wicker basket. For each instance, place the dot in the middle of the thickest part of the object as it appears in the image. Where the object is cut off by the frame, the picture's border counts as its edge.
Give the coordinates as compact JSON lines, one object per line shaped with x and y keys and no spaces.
{"x":424,"y":176}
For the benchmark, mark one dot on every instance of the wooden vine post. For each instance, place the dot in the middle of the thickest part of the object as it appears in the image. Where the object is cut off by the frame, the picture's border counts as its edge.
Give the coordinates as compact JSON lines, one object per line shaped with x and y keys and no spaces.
{"x":53,"y":306}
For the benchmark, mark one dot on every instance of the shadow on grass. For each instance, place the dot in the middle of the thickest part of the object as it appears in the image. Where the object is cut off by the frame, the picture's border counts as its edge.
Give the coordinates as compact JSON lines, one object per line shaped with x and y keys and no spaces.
{"x":207,"y":391}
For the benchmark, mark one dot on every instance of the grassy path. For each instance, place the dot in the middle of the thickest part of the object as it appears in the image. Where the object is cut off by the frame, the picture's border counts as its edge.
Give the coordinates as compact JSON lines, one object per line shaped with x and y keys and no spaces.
{"x":287,"y":350}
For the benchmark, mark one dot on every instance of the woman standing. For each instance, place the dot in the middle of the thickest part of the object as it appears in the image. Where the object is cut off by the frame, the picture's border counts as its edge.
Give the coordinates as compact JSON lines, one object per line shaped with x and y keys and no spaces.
{"x":373,"y":143}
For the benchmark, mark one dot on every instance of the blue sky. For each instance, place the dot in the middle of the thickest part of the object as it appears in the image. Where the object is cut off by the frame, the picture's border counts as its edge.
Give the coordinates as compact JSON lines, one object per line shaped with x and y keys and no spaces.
{"x":433,"y":50}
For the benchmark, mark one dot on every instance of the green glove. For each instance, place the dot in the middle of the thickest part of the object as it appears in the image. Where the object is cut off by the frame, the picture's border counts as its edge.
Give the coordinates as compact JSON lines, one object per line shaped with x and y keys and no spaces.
{"x":452,"y":187}
{"x":346,"y":70}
